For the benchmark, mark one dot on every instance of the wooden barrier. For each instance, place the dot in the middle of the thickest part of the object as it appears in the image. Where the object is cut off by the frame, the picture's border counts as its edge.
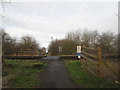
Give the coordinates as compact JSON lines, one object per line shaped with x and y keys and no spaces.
{"x":23,"y":57}
{"x":96,"y":63}
{"x":93,"y":63}
{"x":28,"y":52}
{"x":69,"y":57}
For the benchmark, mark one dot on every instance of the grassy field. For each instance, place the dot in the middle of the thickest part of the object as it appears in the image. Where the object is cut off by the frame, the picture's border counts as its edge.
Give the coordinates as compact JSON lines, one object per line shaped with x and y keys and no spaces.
{"x":85,"y":79}
{"x":22,"y":73}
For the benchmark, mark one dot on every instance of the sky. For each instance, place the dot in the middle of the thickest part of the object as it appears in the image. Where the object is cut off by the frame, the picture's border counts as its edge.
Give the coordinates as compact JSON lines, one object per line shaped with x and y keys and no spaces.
{"x":43,"y":20}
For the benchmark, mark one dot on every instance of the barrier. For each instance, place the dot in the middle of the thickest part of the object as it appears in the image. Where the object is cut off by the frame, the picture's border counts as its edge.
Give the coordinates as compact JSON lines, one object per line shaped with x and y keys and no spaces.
{"x":92,"y":62}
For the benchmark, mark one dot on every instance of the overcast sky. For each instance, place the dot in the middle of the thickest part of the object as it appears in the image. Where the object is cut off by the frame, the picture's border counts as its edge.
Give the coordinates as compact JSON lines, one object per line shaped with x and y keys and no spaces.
{"x":44,"y":20}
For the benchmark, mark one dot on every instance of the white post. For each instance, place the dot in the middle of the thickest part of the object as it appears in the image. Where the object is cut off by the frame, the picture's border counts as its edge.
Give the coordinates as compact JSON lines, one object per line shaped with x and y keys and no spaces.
{"x":60,"y":49}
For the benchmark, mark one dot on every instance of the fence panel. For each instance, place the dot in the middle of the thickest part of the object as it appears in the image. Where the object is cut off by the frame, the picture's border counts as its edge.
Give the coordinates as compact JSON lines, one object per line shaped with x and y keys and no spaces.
{"x":93,"y":63}
{"x":95,"y":60}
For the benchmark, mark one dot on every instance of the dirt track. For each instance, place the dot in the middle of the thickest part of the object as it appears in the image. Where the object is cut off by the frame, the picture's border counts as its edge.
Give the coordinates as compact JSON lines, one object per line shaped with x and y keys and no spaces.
{"x":56,"y":76}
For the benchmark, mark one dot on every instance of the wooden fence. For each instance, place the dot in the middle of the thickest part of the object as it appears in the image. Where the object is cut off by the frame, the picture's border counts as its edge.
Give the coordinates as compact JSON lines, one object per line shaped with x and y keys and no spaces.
{"x":93,"y":62}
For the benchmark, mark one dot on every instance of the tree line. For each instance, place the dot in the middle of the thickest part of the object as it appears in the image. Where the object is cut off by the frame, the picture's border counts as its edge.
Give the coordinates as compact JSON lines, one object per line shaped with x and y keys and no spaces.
{"x":108,"y":41}
{"x":12,"y":46}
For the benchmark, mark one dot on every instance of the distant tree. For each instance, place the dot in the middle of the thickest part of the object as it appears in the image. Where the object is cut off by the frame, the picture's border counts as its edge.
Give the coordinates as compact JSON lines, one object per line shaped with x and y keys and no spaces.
{"x":28,"y":42}
{"x":86,"y":38}
{"x":74,"y":36}
{"x":94,"y":38}
{"x":114,"y":44}
{"x":43,"y":51}
{"x":54,"y":47}
{"x":8,"y":44}
{"x":69,"y":47}
{"x":106,"y":42}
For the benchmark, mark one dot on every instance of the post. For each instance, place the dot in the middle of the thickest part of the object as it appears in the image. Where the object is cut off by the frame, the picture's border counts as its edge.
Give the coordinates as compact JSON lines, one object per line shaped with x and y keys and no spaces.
{"x":0,"y":59}
{"x":100,"y":67}
{"x":60,"y":50}
{"x":79,"y":51}
{"x":52,"y":46}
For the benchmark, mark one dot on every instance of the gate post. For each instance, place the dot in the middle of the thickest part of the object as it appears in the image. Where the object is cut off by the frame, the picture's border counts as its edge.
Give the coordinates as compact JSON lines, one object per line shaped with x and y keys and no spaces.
{"x":100,"y":66}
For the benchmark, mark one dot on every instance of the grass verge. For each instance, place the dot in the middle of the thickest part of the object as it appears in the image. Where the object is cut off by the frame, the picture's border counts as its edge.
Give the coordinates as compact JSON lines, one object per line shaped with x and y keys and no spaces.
{"x":85,"y":79}
{"x":22,"y":73}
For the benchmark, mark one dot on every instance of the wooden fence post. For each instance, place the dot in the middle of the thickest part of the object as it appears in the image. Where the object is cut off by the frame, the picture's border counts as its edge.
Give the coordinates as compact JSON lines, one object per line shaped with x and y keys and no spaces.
{"x":100,"y":66}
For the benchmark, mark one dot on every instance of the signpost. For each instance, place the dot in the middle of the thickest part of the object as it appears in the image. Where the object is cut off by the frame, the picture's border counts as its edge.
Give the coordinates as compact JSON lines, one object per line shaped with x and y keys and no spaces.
{"x":79,"y":51}
{"x":60,"y":49}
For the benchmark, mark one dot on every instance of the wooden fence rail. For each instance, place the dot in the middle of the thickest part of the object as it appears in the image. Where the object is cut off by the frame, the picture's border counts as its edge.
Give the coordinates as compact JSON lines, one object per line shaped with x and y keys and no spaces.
{"x":93,"y":61}
{"x":86,"y":58}
{"x":95,"y":64}
{"x":94,"y":56}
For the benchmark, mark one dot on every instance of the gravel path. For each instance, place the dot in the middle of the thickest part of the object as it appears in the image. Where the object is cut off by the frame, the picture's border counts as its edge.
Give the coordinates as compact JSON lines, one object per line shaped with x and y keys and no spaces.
{"x":56,"y":75}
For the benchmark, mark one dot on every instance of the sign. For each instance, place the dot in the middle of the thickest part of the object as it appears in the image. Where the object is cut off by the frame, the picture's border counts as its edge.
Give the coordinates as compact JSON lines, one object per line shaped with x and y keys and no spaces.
{"x":78,"y":54}
{"x":78,"y":49}
{"x":60,"y":49}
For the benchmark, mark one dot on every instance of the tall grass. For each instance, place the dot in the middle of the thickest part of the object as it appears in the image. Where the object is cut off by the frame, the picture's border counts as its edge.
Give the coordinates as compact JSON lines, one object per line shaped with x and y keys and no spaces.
{"x":85,"y":79}
{"x":22,"y":73}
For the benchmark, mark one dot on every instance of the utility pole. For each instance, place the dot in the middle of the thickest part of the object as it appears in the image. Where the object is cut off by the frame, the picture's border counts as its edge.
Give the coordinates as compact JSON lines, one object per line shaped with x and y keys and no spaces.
{"x":2,"y":2}
{"x":118,"y":38}
{"x":1,"y":32}
{"x":1,"y":47}
{"x":52,"y":46}
{"x":0,"y":59}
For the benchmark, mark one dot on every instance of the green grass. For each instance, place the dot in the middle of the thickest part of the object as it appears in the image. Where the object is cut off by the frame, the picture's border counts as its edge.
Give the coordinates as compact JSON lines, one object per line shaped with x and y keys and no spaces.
{"x":23,"y":73}
{"x":84,"y":78}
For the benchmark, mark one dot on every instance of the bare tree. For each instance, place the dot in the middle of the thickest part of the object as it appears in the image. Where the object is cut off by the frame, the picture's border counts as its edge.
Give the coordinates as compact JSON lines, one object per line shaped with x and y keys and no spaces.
{"x":86,"y":38}
{"x":106,"y":41}
{"x":8,"y":44}
{"x":28,"y":42}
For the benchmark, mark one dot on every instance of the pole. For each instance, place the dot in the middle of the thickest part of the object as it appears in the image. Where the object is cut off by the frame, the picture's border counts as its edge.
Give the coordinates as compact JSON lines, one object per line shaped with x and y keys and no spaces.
{"x":52,"y":46}
{"x":1,"y":33}
{"x":0,"y":59}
